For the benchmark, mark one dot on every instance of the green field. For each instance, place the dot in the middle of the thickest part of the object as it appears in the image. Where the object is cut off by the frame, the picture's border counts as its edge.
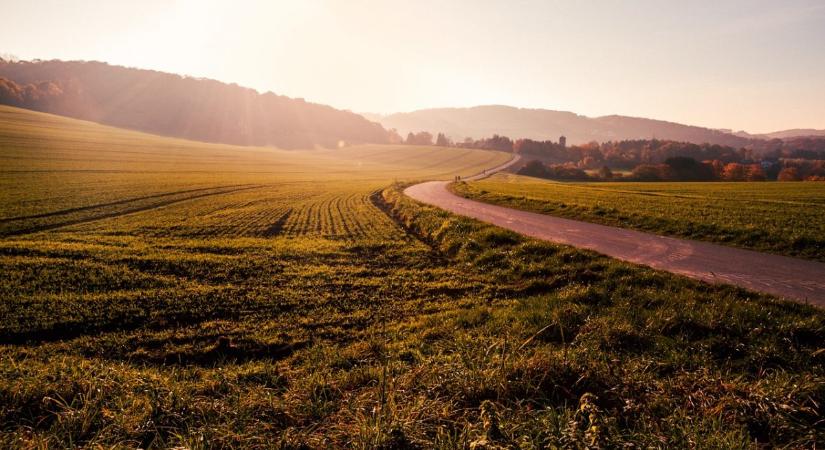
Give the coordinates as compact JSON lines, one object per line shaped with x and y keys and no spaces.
{"x":160,"y":293}
{"x":783,"y":218}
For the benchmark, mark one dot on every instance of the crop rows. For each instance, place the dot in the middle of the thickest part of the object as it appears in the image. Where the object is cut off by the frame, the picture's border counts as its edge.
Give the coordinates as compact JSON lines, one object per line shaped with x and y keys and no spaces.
{"x":95,"y":212}
{"x":270,"y":211}
{"x":350,"y":215}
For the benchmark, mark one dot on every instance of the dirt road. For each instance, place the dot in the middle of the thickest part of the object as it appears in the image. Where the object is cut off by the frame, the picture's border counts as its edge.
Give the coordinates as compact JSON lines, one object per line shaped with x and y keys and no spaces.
{"x":791,"y":278}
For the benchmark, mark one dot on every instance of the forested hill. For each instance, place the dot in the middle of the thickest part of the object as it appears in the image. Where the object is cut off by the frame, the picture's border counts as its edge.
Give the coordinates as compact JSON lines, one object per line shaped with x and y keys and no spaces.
{"x":544,"y":124}
{"x":173,"y":105}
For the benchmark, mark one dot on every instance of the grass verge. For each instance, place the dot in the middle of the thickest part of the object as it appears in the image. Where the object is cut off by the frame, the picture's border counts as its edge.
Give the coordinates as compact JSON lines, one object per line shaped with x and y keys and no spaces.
{"x":781,"y":218}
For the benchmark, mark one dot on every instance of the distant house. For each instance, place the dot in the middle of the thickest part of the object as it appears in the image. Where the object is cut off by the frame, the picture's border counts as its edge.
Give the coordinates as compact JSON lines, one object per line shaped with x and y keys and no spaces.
{"x":563,"y":141}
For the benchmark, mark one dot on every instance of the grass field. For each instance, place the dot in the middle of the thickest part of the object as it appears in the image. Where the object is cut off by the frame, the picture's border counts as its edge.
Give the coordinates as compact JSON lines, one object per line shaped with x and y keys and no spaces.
{"x":783,"y":218}
{"x":162,"y":293}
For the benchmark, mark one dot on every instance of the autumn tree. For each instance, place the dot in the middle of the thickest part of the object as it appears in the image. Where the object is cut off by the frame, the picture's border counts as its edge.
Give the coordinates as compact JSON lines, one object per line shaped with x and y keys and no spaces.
{"x":733,"y":172}
{"x":718,"y":168}
{"x":588,"y":162}
{"x":789,"y":174}
{"x":755,"y":172}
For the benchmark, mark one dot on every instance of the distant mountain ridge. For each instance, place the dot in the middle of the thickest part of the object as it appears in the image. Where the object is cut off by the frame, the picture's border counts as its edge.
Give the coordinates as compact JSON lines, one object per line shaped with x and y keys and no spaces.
{"x":177,"y":106}
{"x":784,"y":134}
{"x":544,"y":124}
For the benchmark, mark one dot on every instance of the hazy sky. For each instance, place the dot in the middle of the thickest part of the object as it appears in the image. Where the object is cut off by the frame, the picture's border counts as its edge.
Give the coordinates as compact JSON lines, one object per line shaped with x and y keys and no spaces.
{"x":747,"y":64}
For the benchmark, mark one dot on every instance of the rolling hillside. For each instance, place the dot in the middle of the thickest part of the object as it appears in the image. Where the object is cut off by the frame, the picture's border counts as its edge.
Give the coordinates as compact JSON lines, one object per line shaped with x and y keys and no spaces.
{"x":165,"y":293}
{"x":172,"y":105}
{"x":58,"y":171}
{"x":543,"y":124}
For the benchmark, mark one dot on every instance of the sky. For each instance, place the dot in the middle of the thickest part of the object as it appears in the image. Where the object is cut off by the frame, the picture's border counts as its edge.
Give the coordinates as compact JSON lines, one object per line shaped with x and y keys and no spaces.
{"x":741,"y":64}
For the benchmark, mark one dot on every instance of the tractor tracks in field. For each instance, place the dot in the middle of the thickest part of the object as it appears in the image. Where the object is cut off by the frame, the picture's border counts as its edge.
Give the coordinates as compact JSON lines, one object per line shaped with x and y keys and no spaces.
{"x":115,"y":203}
{"x":165,"y":201}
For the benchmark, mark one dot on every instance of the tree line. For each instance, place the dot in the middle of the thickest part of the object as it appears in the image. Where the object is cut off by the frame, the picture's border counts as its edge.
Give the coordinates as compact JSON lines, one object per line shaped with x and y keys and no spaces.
{"x":682,"y":168}
{"x":653,"y":159}
{"x":496,"y":142}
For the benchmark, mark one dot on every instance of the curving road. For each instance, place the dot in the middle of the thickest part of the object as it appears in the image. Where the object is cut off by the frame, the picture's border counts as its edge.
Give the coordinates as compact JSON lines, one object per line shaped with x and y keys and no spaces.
{"x":791,"y":278}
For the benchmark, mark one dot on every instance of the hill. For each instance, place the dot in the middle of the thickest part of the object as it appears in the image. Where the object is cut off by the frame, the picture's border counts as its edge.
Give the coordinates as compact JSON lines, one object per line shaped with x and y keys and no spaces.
{"x":178,"y":106}
{"x":57,"y":171}
{"x":543,"y":124}
{"x":785,"y":134}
